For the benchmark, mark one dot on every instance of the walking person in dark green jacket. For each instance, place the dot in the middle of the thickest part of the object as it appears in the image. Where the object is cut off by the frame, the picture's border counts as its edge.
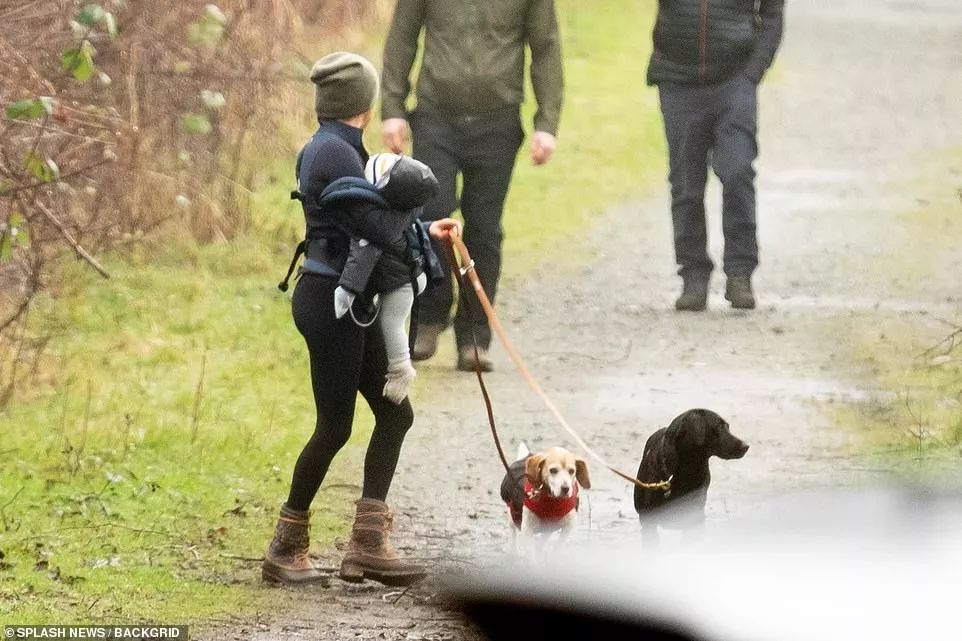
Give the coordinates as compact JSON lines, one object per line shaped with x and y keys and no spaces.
{"x":708,"y":58}
{"x":466,"y":121}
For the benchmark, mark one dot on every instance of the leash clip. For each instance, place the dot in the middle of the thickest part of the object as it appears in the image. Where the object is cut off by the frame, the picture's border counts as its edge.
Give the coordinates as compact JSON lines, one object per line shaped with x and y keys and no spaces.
{"x":464,"y":269}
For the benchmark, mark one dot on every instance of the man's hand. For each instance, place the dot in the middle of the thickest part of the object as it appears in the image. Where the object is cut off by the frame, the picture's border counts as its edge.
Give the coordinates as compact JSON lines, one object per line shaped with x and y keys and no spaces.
{"x":441,"y":229}
{"x":542,"y":146}
{"x":395,"y":134}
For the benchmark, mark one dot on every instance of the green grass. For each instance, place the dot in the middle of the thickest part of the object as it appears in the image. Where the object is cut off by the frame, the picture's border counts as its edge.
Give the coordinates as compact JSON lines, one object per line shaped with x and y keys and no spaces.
{"x":179,"y":402}
{"x":920,"y":429}
{"x":154,"y":445}
{"x":919,"y":413}
{"x":917,"y":425}
{"x":610,"y":144}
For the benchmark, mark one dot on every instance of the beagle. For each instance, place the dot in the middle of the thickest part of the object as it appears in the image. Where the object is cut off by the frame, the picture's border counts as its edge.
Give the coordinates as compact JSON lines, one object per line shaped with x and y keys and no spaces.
{"x":541,"y":492}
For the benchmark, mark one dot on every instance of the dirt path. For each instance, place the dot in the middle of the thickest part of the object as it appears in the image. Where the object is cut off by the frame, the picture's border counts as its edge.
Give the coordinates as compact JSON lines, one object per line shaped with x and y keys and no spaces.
{"x":862,"y":98}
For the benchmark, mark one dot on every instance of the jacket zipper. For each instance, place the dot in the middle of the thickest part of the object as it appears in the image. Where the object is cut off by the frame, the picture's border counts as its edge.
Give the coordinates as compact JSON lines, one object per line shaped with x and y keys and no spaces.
{"x":703,"y":43}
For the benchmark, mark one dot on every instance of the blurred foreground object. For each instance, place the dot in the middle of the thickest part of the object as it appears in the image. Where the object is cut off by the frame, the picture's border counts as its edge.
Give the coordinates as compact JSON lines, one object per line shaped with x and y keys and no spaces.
{"x":871,"y":565}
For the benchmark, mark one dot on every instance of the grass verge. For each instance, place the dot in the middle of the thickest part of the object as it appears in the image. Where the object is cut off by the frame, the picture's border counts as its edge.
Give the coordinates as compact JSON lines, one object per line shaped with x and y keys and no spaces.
{"x":611,"y":142}
{"x":140,"y":473}
{"x":915,"y":360}
{"x":914,"y":425}
{"x":138,"y":482}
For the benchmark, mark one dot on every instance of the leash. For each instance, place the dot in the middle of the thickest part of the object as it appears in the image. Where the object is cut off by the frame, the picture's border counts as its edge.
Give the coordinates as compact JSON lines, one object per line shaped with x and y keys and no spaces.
{"x":466,"y":268}
{"x":459,"y":274}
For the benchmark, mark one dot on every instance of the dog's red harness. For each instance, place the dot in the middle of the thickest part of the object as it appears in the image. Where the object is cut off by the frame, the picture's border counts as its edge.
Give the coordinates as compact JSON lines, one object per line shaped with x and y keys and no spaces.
{"x":545,"y":506}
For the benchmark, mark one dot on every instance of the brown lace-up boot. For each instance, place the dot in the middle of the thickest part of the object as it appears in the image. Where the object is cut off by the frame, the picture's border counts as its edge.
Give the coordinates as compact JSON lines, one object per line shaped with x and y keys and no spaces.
{"x":287,"y":559}
{"x":370,"y":555}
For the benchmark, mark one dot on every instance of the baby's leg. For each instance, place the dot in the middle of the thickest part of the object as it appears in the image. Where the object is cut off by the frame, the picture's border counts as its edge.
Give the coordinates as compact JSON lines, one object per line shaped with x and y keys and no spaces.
{"x":395,"y":307}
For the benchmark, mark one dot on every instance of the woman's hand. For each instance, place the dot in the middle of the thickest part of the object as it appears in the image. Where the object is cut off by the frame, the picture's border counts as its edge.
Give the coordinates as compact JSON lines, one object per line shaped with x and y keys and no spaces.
{"x":441,"y":229}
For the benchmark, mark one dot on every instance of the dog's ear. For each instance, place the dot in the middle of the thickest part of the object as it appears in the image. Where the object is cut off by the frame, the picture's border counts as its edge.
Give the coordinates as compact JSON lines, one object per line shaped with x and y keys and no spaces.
{"x":581,"y":473}
{"x":532,"y":469}
{"x":697,"y":426}
{"x":689,"y":431}
{"x":715,"y":426}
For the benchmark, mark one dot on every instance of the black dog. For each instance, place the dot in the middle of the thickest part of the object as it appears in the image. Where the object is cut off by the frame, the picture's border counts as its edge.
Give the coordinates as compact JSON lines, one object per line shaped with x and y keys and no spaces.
{"x":681,"y":452}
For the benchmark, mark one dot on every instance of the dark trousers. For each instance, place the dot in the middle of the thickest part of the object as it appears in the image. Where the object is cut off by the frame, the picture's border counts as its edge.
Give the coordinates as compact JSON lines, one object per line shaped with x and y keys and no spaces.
{"x":482,"y":149}
{"x":345,"y":359}
{"x":714,"y":124}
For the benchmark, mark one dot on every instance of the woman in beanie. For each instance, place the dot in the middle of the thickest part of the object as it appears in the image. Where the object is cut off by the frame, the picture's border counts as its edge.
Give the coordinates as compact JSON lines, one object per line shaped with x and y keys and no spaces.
{"x":345,"y":358}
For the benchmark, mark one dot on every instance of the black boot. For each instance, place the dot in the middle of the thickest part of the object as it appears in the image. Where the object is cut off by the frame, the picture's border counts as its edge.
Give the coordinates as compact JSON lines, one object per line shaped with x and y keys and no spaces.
{"x":468,"y":363}
{"x":426,"y":342}
{"x":694,"y":295}
{"x":739,"y":292}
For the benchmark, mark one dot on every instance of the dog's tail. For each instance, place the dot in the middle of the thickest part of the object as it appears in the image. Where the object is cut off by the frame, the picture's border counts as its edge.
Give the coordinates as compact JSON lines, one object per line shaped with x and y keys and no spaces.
{"x":523,"y":451}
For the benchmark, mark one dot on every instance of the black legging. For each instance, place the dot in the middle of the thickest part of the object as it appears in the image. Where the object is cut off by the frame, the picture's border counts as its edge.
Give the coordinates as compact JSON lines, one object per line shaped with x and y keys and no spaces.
{"x":345,"y":359}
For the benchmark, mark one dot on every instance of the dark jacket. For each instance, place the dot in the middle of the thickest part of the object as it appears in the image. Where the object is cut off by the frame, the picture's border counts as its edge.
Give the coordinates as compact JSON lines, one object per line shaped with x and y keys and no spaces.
{"x":474,"y":53}
{"x":708,"y":41}
{"x":373,"y":267}
{"x":334,"y":152}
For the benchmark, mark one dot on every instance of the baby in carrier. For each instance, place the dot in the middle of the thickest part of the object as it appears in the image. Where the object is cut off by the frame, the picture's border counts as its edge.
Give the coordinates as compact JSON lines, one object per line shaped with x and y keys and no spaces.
{"x":393,"y":271}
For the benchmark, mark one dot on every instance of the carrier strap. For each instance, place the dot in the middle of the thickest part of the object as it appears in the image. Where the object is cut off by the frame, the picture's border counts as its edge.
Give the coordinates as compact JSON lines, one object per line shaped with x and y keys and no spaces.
{"x":298,"y":252}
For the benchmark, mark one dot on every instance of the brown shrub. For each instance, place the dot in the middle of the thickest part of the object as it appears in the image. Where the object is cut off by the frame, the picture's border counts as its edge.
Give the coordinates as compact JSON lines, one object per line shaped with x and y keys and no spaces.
{"x":124,"y":117}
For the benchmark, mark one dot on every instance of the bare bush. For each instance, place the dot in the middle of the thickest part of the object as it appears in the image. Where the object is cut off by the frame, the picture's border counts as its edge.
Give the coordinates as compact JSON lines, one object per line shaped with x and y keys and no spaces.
{"x":121,"y":118}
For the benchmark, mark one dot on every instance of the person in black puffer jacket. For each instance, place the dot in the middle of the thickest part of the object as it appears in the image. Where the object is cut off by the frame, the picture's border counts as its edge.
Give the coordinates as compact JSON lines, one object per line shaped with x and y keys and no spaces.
{"x":708,"y":58}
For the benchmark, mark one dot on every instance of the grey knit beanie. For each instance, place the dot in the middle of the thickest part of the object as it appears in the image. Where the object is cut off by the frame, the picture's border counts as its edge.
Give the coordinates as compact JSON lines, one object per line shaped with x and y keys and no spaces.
{"x":345,"y":85}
